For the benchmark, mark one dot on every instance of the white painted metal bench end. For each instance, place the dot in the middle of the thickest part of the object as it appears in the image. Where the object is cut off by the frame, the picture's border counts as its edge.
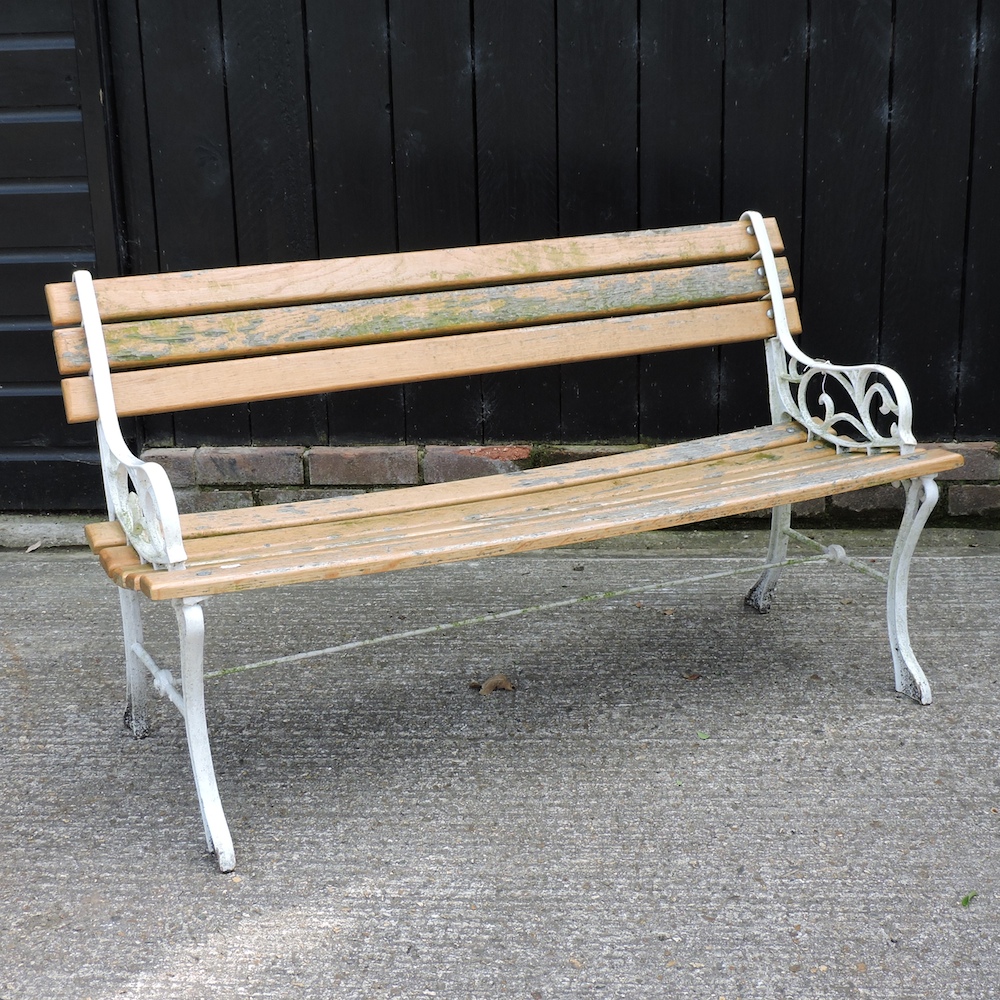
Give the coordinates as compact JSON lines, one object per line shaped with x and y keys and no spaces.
{"x":139,"y":496}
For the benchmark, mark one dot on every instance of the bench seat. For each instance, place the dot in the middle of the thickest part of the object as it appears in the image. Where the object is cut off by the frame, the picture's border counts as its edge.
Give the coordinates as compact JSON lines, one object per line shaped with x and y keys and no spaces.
{"x":733,"y":474}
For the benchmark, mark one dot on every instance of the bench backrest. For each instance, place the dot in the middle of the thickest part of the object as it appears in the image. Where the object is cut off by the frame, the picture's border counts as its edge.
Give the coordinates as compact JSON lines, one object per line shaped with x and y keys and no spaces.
{"x":190,"y":339}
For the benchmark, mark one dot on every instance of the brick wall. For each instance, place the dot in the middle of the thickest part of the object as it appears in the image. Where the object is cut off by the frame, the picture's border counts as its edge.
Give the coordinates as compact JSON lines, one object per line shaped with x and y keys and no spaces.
{"x":207,"y":478}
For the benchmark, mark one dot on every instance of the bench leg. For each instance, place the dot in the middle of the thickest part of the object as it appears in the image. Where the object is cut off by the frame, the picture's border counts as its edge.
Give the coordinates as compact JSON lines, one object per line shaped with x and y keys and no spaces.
{"x":136,"y":677}
{"x":760,"y":595}
{"x":921,"y":496}
{"x":191,"y":627}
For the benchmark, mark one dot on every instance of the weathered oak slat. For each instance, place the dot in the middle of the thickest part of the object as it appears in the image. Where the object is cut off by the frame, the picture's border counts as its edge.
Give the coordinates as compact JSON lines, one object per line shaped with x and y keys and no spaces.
{"x":186,"y":293}
{"x":428,"y":527}
{"x":105,"y":534}
{"x":338,"y":324}
{"x":276,"y":376}
{"x":683,"y":500}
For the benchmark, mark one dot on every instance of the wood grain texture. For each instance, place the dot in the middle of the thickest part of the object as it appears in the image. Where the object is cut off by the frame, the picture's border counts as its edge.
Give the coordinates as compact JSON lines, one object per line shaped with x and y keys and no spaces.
{"x":516,"y":134}
{"x":351,"y":110}
{"x":763,"y":147}
{"x":517,"y":166}
{"x":681,"y":48}
{"x":681,"y":113}
{"x":220,"y":289}
{"x":849,"y":73}
{"x":338,"y":324}
{"x":933,"y":77}
{"x":276,"y":376}
{"x":183,"y":67}
{"x":106,"y":534}
{"x":269,"y":133}
{"x":562,"y":515}
{"x":598,"y":186}
{"x":979,"y":387}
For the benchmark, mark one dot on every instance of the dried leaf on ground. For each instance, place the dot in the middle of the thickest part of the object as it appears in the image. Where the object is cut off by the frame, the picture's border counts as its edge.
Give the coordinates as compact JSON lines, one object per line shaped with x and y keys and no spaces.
{"x":498,"y":682}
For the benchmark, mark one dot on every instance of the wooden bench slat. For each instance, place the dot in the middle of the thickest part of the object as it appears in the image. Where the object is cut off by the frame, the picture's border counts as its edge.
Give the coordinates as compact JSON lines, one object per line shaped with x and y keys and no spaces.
{"x":581,"y":499}
{"x":827,"y":474}
{"x":192,"y":292}
{"x":415,"y":520}
{"x":417,"y":524}
{"x":152,"y":342}
{"x":105,"y":534}
{"x":224,"y":382}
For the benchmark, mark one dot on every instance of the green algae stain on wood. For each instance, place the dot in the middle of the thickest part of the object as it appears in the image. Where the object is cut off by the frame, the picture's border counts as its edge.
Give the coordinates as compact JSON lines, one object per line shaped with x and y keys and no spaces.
{"x":424,"y":314}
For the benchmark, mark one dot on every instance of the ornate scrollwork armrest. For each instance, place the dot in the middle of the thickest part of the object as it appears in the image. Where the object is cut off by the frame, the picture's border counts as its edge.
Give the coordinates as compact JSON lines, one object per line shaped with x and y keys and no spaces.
{"x":138,"y":493}
{"x":841,"y":404}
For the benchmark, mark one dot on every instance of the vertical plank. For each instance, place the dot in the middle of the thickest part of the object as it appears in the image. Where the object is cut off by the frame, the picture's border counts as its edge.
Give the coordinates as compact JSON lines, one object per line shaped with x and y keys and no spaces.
{"x":431,"y":52}
{"x":188,"y":138}
{"x":933,"y":72}
{"x":134,"y":180}
{"x":267,"y":101}
{"x":368,"y":416}
{"x":598,"y":186}
{"x":979,"y":387}
{"x":94,"y":82}
{"x":517,"y":173}
{"x":840,"y":283}
{"x":189,"y":153}
{"x":516,"y":120}
{"x":264,"y":45}
{"x":681,"y":47}
{"x":435,"y":168}
{"x":348,"y":49}
{"x":765,"y":88}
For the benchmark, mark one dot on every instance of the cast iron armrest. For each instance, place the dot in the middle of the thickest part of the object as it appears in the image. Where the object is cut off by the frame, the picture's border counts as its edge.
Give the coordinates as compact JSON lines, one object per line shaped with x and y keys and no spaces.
{"x":868,"y":391}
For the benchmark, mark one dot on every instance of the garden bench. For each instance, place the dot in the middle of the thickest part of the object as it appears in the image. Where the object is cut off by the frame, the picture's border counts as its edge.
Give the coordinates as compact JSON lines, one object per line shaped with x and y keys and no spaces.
{"x":162,"y":343}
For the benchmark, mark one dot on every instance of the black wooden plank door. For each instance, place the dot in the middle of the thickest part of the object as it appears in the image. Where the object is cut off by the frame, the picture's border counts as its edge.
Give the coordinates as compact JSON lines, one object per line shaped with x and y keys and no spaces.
{"x":979,"y":384}
{"x":840,"y":280}
{"x":433,"y":118}
{"x":933,"y":73}
{"x":351,"y":101}
{"x":185,"y":92}
{"x":55,"y":216}
{"x":598,"y":187}
{"x":680,"y":184}
{"x":270,"y":151}
{"x":766,"y":48}
{"x":517,"y":175}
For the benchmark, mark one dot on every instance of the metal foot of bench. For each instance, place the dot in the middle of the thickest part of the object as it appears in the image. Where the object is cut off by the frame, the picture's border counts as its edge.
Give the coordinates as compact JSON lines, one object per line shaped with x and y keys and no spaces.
{"x":921,"y":496}
{"x":191,"y":628}
{"x":189,"y":701}
{"x":761,"y":593}
{"x":136,"y":681}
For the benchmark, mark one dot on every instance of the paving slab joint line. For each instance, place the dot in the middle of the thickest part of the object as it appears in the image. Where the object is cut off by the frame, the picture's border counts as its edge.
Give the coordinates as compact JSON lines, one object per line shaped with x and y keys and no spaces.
{"x":825,"y":556}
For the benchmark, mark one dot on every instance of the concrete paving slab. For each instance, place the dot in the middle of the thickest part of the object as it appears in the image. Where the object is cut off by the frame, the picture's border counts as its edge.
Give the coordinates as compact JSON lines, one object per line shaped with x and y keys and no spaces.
{"x":679,"y":800}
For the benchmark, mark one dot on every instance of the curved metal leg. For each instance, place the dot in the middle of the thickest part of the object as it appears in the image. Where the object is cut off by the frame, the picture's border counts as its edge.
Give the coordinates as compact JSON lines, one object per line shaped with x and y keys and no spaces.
{"x":136,"y":679}
{"x":921,"y":495}
{"x":760,"y":595}
{"x":191,"y":626}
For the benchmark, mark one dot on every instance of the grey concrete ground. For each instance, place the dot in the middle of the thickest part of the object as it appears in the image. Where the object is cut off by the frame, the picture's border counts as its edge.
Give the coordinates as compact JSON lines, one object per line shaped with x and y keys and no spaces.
{"x":679,"y":800}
